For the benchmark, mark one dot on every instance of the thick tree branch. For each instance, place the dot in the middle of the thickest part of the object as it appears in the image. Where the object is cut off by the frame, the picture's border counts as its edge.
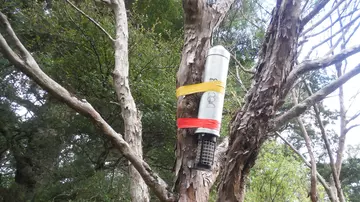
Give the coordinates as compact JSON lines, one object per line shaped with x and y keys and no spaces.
{"x":316,"y":97}
{"x":27,"y":64}
{"x":91,"y":19}
{"x":310,"y":65}
{"x":307,"y":66}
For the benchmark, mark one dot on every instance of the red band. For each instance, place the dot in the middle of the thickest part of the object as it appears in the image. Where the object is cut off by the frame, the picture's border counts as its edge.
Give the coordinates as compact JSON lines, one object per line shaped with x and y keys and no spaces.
{"x":198,"y":123}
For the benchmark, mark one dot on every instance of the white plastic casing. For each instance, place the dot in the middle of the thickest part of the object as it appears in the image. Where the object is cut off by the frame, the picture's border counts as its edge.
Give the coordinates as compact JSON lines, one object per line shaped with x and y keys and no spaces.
{"x":211,"y":103}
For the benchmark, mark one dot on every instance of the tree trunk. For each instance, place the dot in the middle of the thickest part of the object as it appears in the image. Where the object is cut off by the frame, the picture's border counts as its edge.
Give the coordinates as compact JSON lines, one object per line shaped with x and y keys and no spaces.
{"x":340,"y":151}
{"x":131,"y":116}
{"x":249,"y":127}
{"x":200,"y":21}
{"x":313,"y":179}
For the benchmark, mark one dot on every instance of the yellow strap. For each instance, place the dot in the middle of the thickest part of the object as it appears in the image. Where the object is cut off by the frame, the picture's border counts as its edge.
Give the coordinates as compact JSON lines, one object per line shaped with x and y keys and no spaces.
{"x":216,"y":86}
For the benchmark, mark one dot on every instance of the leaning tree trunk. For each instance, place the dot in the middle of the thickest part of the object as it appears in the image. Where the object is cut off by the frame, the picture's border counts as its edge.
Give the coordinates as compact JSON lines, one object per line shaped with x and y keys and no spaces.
{"x":201,"y":19}
{"x":251,"y":124}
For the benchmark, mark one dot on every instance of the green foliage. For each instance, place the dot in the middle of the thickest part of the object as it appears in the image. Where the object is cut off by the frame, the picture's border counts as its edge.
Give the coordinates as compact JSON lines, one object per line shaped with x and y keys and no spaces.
{"x":277,"y":176}
{"x":164,"y":17}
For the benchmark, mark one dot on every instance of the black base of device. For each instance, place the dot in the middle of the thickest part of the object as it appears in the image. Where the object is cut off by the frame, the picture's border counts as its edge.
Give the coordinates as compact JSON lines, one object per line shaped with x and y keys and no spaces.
{"x":206,"y":145}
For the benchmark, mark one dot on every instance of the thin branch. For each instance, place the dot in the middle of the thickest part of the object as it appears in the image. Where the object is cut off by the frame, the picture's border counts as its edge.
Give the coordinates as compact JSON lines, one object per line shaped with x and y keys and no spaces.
{"x":352,"y":34}
{"x":323,"y":62}
{"x":351,"y":127}
{"x":346,"y":28}
{"x":317,"y":9}
{"x":29,"y":66}
{"x":115,"y":103}
{"x":334,"y":171}
{"x":342,"y":37}
{"x":331,"y":25}
{"x":108,"y":2}
{"x":352,"y":100}
{"x":91,"y":19}
{"x":305,"y":4}
{"x":314,"y":12}
{"x":262,"y":7}
{"x":242,"y":67}
{"x":316,"y":97}
{"x":239,"y":79}
{"x":248,"y":20}
{"x":321,"y":179}
{"x":353,"y":117}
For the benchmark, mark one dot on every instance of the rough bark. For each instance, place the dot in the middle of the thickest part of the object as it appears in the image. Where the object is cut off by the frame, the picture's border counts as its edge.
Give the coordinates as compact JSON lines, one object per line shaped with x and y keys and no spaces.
{"x":131,"y":116}
{"x":200,"y":21}
{"x":250,"y":125}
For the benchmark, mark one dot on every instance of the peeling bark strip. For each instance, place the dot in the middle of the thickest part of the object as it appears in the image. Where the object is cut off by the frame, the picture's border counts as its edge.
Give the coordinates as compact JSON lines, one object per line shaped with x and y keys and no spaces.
{"x":200,"y":21}
{"x":249,"y":127}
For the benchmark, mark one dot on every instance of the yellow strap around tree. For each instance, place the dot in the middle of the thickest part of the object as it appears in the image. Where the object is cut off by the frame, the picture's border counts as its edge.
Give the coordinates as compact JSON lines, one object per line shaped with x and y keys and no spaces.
{"x":216,"y":86}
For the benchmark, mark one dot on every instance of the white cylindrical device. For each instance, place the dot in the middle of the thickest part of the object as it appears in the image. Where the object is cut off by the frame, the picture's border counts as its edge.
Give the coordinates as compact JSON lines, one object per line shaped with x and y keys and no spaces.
{"x":211,"y":106}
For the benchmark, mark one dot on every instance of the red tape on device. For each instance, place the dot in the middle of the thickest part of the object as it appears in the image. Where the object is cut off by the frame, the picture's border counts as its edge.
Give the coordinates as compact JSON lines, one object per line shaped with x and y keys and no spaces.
{"x":198,"y":123}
